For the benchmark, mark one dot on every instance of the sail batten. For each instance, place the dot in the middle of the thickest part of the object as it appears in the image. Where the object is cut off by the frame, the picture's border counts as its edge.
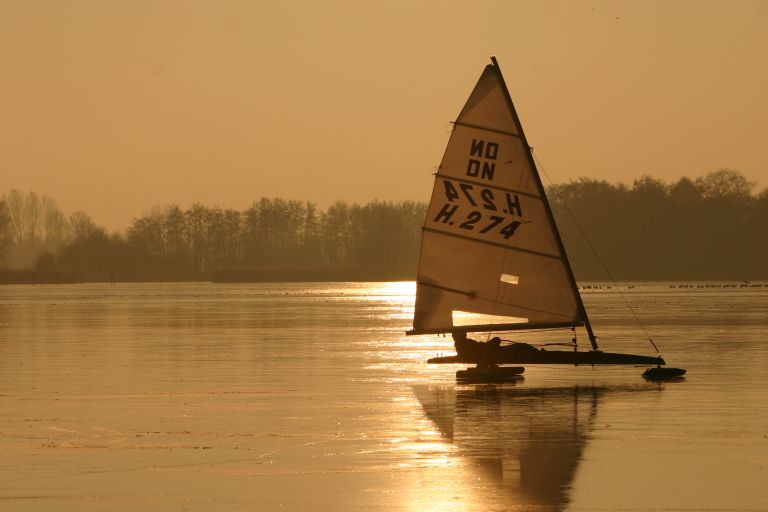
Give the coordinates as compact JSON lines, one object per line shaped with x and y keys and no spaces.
{"x":493,"y":187}
{"x":507,"y":247}
{"x":486,"y":128}
{"x":489,"y":243}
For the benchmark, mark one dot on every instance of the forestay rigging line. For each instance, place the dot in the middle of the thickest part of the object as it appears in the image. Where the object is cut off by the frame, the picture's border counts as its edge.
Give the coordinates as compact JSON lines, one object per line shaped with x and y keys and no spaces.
{"x":597,"y":256}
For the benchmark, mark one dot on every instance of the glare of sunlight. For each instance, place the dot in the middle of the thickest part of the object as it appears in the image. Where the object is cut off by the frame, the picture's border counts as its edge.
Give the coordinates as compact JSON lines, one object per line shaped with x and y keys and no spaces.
{"x":394,"y":289}
{"x":469,"y":318}
{"x":391,"y":301}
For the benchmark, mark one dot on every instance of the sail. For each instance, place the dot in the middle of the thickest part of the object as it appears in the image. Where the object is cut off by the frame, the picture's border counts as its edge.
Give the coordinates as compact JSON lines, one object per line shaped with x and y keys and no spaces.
{"x":491,"y":255}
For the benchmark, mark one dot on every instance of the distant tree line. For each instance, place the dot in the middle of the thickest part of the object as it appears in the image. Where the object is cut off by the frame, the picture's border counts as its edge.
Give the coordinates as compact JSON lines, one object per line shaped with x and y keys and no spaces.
{"x":272,"y":240}
{"x":32,"y":227}
{"x":713,"y":227}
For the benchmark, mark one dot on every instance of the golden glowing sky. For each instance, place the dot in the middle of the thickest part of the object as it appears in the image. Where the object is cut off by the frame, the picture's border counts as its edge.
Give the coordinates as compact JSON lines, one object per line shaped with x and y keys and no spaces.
{"x":115,"y":106}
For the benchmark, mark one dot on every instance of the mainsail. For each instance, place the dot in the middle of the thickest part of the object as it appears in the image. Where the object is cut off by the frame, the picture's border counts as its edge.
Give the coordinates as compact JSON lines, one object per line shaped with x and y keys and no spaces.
{"x":491,"y":255}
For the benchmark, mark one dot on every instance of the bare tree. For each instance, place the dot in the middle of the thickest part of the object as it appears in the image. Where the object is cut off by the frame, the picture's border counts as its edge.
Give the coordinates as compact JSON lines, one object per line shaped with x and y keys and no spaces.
{"x":14,"y":201}
{"x":5,"y":233}
{"x":35,"y":225}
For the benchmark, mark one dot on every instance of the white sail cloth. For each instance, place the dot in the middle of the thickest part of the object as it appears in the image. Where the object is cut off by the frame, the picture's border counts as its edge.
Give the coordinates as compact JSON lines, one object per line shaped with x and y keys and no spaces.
{"x":490,"y":251}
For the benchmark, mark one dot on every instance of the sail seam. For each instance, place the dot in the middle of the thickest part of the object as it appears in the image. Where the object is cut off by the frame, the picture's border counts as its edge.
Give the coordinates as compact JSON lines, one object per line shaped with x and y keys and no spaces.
{"x":439,"y":287}
{"x":487,"y":185}
{"x":485,"y":128}
{"x":495,"y":244}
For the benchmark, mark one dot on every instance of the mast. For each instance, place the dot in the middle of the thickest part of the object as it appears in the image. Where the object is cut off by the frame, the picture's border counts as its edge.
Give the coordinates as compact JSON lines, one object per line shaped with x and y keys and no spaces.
{"x":532,"y":163}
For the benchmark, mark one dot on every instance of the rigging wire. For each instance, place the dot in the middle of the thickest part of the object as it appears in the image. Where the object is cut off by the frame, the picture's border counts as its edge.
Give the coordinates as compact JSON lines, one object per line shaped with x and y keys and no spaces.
{"x":597,"y":256}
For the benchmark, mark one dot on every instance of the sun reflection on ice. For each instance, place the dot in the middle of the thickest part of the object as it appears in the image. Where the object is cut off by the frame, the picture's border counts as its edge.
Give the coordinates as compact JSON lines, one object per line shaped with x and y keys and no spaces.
{"x":394,"y":289}
{"x":432,"y":474}
{"x":391,"y":301}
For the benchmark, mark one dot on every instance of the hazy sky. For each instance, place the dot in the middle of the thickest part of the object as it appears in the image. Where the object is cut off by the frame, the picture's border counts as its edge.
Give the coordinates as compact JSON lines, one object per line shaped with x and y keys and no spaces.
{"x":115,"y":106}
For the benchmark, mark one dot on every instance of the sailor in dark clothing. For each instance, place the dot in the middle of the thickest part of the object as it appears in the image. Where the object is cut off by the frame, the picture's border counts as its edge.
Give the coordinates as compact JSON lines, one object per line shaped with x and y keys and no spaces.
{"x":467,"y":348}
{"x":482,"y":354}
{"x":491,"y":353}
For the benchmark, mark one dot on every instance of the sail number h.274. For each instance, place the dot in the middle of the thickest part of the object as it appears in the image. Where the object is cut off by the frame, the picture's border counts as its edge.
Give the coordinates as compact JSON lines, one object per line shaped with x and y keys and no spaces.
{"x":479,"y":209}
{"x":485,"y":210}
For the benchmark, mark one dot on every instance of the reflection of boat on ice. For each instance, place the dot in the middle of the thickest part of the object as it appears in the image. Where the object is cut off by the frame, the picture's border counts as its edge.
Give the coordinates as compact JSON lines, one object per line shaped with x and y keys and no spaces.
{"x":491,"y":256}
{"x":659,"y":373}
{"x":529,"y":442}
{"x":490,"y":374}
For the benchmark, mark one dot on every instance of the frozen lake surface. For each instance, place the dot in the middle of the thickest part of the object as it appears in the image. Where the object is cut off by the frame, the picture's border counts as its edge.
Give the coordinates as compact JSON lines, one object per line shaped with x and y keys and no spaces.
{"x":310,"y":397}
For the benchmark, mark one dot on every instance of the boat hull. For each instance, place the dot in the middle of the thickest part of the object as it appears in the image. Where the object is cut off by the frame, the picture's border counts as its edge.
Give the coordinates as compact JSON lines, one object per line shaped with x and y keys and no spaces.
{"x":541,"y":356}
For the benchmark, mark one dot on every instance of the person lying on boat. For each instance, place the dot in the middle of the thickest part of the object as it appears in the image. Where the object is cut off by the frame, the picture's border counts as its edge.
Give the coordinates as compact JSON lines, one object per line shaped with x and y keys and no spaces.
{"x":487,"y":354}
{"x":467,"y":347}
{"x":483,"y":354}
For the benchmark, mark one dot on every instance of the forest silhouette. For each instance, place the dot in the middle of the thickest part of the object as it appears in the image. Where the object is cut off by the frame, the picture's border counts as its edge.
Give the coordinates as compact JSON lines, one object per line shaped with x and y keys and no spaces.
{"x":711,"y":228}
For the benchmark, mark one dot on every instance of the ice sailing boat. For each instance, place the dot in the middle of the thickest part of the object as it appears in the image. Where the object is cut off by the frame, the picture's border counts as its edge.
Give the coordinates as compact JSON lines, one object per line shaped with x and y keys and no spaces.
{"x":491,"y":255}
